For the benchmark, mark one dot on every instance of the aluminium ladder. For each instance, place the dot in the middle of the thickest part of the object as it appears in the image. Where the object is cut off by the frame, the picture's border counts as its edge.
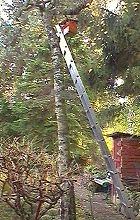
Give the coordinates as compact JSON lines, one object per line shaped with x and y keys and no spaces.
{"x":95,"y":128}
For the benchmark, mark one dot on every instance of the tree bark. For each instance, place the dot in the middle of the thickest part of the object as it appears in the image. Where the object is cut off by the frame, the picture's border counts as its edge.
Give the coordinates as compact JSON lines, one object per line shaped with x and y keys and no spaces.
{"x":67,"y":208}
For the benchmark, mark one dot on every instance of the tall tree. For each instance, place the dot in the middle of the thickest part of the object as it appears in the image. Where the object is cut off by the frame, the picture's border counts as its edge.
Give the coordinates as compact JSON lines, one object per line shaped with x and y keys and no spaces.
{"x":67,"y":211}
{"x":49,"y":14}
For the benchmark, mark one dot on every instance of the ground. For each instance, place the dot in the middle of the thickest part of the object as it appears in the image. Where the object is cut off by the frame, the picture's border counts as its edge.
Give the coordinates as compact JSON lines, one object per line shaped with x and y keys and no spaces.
{"x":94,"y":206}
{"x":90,"y":206}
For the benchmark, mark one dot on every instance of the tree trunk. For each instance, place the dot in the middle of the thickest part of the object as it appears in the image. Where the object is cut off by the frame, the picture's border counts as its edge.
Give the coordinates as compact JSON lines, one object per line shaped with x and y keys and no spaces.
{"x":67,"y":201}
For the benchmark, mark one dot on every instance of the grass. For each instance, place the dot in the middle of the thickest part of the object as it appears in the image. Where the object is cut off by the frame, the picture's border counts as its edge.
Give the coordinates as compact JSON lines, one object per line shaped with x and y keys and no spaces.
{"x":81,"y":214}
{"x":6,"y":213}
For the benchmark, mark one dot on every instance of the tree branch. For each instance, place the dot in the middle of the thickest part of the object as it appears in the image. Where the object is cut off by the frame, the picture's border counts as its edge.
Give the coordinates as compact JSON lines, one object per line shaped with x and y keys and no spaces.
{"x":28,"y":5}
{"x":78,"y":8}
{"x":109,"y":12}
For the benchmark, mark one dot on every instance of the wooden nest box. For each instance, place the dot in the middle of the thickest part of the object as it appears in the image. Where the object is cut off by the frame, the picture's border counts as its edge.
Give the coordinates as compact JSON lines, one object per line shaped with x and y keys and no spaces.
{"x":69,"y":26}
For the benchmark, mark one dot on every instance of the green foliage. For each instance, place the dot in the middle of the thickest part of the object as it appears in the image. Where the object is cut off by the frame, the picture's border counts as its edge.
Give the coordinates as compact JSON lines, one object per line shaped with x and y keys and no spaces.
{"x":52,"y":214}
{"x":7,"y":213}
{"x":121,"y":46}
{"x":27,"y":93}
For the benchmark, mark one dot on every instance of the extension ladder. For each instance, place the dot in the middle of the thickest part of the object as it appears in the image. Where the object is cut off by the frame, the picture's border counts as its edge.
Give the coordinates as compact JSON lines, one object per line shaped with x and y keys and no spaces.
{"x":95,"y":128}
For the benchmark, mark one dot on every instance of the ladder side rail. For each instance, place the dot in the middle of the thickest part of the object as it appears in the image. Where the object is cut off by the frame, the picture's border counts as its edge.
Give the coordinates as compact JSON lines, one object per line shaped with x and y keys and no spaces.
{"x":96,"y":130}
{"x":109,"y":162}
{"x":83,"y":96}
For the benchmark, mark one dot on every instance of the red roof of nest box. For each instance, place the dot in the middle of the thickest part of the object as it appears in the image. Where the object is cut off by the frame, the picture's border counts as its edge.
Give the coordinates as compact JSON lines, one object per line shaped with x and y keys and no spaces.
{"x":69,"y":26}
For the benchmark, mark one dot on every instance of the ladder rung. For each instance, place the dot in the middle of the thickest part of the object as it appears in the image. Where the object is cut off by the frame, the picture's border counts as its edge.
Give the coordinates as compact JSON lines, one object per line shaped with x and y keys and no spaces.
{"x":111,"y":172}
{"x":82,"y":94}
{"x":101,"y":140}
{"x":120,"y":189}
{"x":93,"y":126}
{"x":125,"y":204}
{"x":70,"y":66}
{"x":105,"y":156}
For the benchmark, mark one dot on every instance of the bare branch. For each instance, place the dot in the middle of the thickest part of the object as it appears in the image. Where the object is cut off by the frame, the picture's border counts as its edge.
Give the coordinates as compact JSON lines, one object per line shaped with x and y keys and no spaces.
{"x":29,"y":5}
{"x":26,"y":173}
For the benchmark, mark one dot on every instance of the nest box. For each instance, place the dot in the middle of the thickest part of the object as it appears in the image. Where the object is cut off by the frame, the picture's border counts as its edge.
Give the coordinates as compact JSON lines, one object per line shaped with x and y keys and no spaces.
{"x":69,"y":26}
